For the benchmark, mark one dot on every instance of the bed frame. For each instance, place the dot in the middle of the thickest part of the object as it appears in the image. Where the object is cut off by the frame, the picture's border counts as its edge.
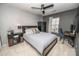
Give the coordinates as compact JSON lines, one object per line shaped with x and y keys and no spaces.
{"x":47,"y":49}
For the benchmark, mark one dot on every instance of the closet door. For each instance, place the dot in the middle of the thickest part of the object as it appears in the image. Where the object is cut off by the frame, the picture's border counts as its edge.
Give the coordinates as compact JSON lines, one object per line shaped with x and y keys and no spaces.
{"x":42,"y":26}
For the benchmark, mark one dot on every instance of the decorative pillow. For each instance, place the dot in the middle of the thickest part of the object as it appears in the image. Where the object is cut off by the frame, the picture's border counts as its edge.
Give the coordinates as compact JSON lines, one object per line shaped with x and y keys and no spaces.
{"x":35,"y":30}
{"x":29,"y":31}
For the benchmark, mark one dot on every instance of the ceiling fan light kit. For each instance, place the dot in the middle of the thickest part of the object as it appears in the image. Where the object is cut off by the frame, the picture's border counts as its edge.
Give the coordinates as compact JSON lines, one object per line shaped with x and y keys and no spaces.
{"x":43,"y":8}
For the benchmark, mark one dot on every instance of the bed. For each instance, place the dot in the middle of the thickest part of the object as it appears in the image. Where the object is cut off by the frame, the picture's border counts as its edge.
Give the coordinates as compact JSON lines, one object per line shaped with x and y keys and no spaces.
{"x":42,"y":42}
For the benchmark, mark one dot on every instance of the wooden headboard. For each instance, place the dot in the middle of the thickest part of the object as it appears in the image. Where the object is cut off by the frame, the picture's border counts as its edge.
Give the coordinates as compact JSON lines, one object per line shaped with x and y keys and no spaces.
{"x":25,"y":27}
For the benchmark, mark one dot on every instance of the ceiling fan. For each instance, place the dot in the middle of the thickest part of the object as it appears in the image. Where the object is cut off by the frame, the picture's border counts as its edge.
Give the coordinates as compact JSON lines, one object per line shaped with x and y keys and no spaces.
{"x":43,"y":7}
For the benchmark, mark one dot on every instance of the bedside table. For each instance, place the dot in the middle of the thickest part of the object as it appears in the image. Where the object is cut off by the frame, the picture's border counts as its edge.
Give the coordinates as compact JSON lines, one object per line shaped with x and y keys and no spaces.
{"x":15,"y":38}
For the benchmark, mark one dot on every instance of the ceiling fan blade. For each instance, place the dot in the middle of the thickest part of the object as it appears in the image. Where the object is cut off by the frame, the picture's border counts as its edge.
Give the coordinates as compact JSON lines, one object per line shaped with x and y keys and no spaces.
{"x":35,"y":8}
{"x":49,"y":6}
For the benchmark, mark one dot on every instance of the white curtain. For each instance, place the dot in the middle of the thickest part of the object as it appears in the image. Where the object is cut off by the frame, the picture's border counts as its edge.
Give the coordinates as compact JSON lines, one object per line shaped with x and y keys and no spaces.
{"x":53,"y":24}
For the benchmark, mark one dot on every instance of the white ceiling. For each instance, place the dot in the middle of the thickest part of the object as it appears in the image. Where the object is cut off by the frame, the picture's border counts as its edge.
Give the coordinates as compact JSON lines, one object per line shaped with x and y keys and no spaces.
{"x":58,"y":7}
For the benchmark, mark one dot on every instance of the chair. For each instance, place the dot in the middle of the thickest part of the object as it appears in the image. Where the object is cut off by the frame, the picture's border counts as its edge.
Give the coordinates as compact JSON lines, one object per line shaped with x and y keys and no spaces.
{"x":64,"y":37}
{"x":61,"y":34}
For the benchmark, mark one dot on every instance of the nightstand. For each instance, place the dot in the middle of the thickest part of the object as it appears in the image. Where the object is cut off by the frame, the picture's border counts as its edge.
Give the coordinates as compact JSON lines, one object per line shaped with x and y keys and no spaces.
{"x":15,"y":38}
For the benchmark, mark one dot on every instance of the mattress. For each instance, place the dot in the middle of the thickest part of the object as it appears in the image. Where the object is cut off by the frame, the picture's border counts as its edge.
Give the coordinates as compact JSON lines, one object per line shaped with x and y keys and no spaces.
{"x":40,"y":41}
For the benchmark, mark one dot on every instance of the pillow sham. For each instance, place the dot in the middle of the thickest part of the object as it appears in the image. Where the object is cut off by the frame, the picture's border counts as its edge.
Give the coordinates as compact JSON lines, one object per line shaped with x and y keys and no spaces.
{"x":32,"y":31}
{"x":29,"y":31}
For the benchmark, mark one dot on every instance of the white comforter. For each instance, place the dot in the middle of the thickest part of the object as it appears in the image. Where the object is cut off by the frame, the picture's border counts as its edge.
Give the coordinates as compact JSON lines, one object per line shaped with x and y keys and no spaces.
{"x":40,"y":41}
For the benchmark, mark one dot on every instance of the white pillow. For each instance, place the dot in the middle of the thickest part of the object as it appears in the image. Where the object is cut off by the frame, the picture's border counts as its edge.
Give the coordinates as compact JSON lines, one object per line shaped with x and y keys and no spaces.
{"x":37,"y":30}
{"x":29,"y":31}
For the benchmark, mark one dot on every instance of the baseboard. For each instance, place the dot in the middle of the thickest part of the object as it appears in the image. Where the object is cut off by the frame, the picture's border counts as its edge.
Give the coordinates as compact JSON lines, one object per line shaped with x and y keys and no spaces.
{"x":4,"y":45}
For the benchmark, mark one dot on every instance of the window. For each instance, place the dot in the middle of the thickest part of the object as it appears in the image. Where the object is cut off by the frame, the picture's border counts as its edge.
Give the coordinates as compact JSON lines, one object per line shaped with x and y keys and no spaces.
{"x":53,"y":24}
